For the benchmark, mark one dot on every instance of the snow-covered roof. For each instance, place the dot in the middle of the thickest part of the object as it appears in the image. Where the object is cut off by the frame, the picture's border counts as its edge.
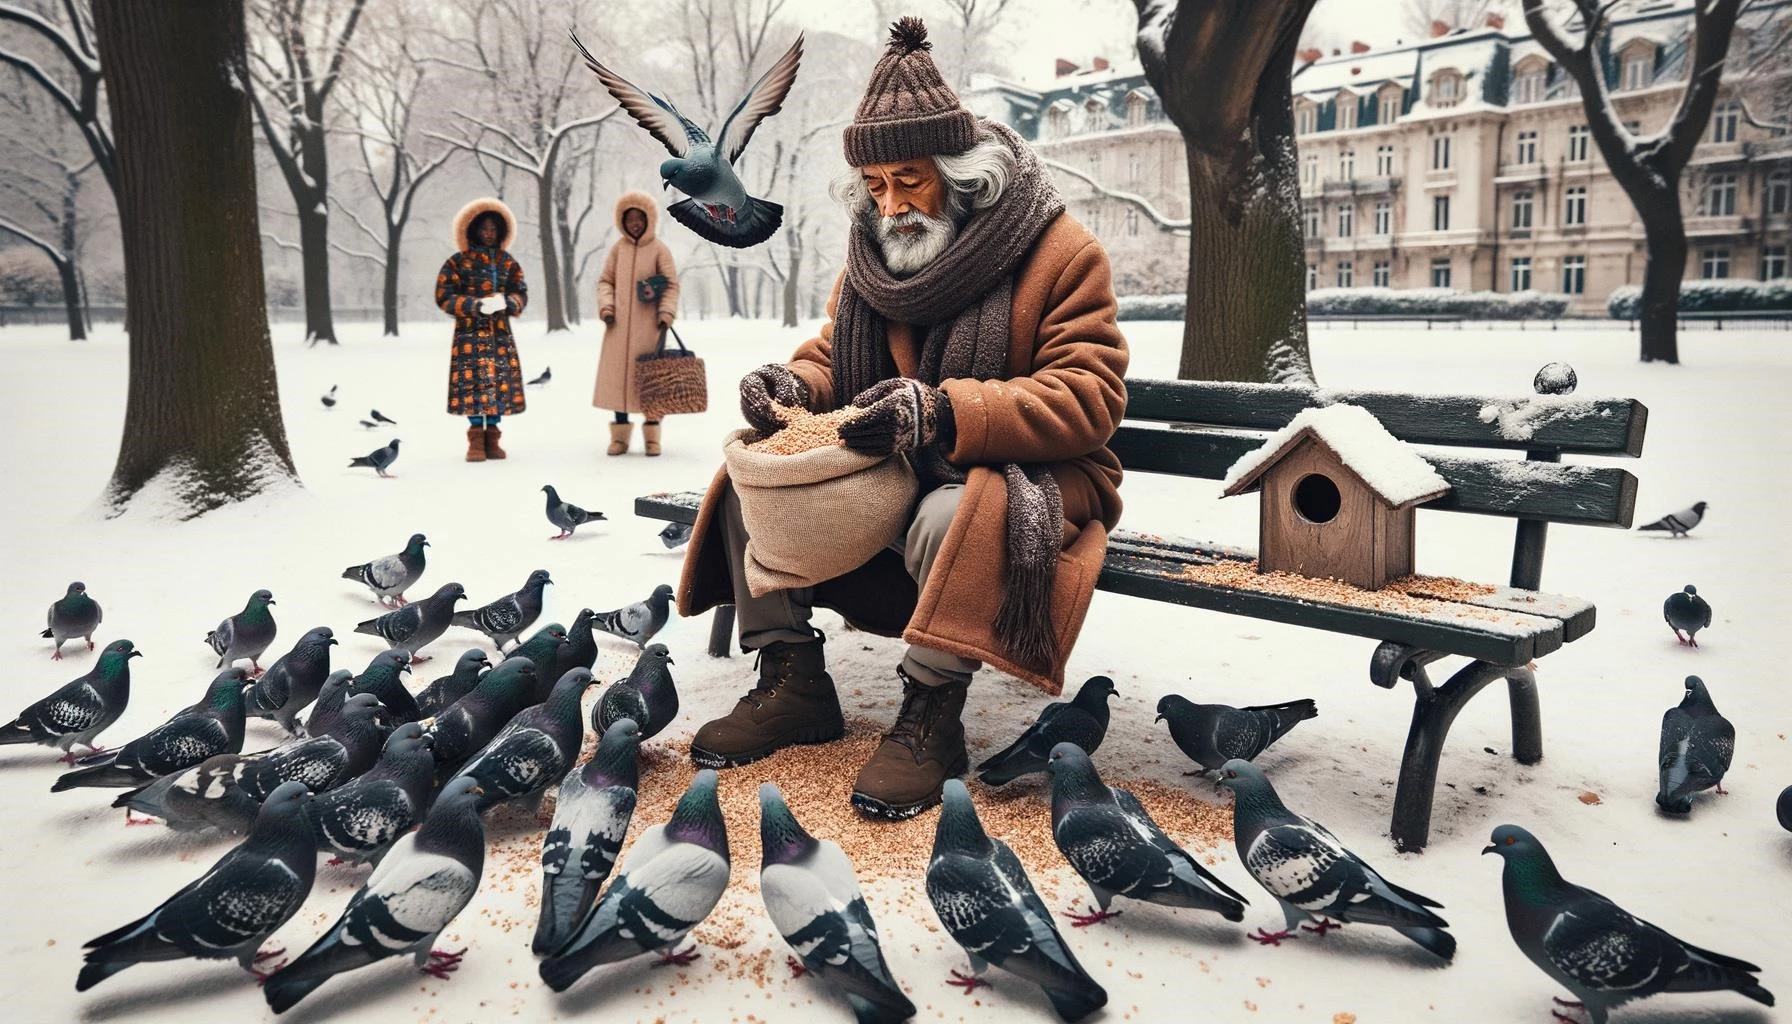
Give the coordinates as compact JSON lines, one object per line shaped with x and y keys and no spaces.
{"x":1359,"y":71}
{"x":1388,"y":465}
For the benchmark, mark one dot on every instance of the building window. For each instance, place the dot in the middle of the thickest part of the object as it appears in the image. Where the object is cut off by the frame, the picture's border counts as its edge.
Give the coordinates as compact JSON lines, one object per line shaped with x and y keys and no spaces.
{"x":1382,"y":274}
{"x":1312,"y":276}
{"x":1720,"y":195}
{"x":1346,"y":112}
{"x":1521,"y":273}
{"x":1779,"y":192}
{"x":1346,"y":221}
{"x":1390,"y":105}
{"x":1132,"y":221}
{"x":1384,"y":217}
{"x":1714,"y":263}
{"x":1574,"y":275}
{"x":1527,"y":86}
{"x":1574,"y":206}
{"x":1440,"y":152}
{"x":1522,"y":202}
{"x":1384,"y":161}
{"x":1527,"y":148}
{"x":1440,"y":213}
{"x":1135,"y":168}
{"x":1310,"y":222}
{"x":1138,"y":110}
{"x":1346,"y":274}
{"x":1633,"y":126}
{"x":1304,"y":119}
{"x":1309,"y":172}
{"x":1577,"y":143}
{"x":1446,"y":90}
{"x":1723,"y":121}
{"x":1566,"y":88}
{"x":1347,"y":165}
{"x":1440,"y":272}
{"x":1639,"y":71}
{"x":1773,"y":262}
{"x":1094,"y":223}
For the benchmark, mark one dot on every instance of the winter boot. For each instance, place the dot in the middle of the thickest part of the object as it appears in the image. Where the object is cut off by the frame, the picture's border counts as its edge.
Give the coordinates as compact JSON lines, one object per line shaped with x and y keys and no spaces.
{"x":492,"y":436}
{"x":650,"y":438}
{"x":920,"y":752}
{"x":619,"y":433}
{"x":793,"y":702}
{"x":475,"y":444}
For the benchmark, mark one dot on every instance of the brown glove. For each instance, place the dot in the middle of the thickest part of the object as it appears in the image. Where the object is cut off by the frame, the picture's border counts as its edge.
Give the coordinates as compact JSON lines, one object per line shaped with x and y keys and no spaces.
{"x":770,"y":383}
{"x":900,"y":415}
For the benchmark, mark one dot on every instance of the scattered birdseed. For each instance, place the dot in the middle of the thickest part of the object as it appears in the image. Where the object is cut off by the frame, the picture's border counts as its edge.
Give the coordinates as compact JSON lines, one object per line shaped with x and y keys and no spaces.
{"x":803,"y":430}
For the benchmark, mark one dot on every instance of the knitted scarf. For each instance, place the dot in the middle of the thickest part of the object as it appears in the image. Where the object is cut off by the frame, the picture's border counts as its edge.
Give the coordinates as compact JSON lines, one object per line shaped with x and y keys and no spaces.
{"x":962,"y":300}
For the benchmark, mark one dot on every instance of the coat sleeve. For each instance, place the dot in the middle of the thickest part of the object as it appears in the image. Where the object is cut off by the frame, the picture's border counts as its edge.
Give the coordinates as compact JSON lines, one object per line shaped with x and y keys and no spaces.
{"x":813,"y":362}
{"x":606,"y":285}
{"x":1076,"y":395}
{"x":668,"y":307}
{"x":516,"y":290}
{"x":449,"y":295}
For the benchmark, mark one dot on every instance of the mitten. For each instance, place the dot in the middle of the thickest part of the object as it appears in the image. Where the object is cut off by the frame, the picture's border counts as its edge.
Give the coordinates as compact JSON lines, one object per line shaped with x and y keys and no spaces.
{"x":900,"y":415}
{"x":770,"y":383}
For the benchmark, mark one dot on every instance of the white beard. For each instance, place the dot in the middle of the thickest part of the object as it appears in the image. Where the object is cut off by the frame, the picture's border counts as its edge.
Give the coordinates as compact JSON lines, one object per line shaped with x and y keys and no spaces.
{"x":906,"y":254}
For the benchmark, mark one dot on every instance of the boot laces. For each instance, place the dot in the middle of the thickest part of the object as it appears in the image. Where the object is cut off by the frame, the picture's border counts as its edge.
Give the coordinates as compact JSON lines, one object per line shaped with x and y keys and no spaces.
{"x":767,"y":684}
{"x":920,"y":709}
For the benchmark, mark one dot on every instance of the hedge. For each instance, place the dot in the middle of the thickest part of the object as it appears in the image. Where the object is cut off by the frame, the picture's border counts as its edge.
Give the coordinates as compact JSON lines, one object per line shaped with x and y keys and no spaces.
{"x":1416,"y":302}
{"x":1719,"y":295}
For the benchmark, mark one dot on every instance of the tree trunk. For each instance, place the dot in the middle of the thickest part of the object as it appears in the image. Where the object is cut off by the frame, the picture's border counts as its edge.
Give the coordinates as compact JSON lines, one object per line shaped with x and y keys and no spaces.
{"x":389,"y":295}
{"x":793,"y":274}
{"x":550,"y":249}
{"x":67,"y":267}
{"x":1658,"y":318}
{"x":314,"y":257}
{"x":71,"y":299}
{"x":569,"y":266}
{"x":202,"y":412}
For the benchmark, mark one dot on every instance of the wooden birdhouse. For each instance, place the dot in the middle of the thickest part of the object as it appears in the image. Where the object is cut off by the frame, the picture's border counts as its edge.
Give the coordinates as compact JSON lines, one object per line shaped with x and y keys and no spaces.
{"x":1339,"y":493}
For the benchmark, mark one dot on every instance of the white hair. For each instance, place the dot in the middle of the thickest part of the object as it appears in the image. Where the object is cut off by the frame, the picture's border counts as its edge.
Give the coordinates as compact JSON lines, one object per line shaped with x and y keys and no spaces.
{"x":974,"y":180}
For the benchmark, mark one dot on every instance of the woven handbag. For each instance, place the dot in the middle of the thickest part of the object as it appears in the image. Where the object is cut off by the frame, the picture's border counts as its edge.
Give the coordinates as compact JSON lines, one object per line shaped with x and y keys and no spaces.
{"x":670,"y":383}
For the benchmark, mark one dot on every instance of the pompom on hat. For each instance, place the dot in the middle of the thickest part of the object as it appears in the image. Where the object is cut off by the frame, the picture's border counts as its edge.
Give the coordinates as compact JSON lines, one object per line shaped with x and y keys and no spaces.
{"x":908,"y":111}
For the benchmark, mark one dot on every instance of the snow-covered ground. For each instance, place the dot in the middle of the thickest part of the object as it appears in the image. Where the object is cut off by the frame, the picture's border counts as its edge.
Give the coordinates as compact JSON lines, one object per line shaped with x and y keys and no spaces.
{"x":1717,"y":431}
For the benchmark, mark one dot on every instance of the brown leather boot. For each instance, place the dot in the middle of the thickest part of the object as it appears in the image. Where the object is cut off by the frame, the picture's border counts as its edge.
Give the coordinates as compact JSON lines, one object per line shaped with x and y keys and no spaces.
{"x":793,"y":702}
{"x":475,"y":444}
{"x":920,"y":752}
{"x":650,"y":438}
{"x":619,"y":434}
{"x":492,"y":436}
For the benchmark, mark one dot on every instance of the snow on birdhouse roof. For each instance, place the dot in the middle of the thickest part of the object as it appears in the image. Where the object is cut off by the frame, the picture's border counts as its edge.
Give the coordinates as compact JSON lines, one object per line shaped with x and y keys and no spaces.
{"x":1388,"y":465}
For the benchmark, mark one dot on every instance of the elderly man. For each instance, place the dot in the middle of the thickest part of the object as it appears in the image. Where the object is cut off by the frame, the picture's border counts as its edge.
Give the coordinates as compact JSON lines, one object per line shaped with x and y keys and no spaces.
{"x":974,"y":325}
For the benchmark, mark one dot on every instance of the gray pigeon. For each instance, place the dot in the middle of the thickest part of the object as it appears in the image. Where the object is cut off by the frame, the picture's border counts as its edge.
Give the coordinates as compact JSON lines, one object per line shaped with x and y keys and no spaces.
{"x":1696,"y":746}
{"x":358,"y":820}
{"x":383,"y":678}
{"x":380,"y":417}
{"x":419,"y":624}
{"x":291,"y":683}
{"x":1082,"y":720}
{"x":674,"y":877}
{"x":73,"y":615}
{"x":543,"y":648}
{"x":211,"y":727}
{"x":637,"y":623}
{"x":534,"y":749}
{"x":565,"y":515}
{"x":813,"y":899}
{"x":581,"y":647}
{"x":675,"y":535}
{"x":231,"y":909}
{"x":368,"y":424}
{"x":447,"y":689}
{"x":983,"y":896}
{"x":546,"y":374}
{"x":1313,"y":876}
{"x":648,"y":695}
{"x":509,"y":615}
{"x":1784,"y":808}
{"x":390,"y":576}
{"x":246,"y":634}
{"x":1592,"y":947}
{"x":1680,"y":523}
{"x":424,"y":882}
{"x":719,"y":210}
{"x":463,"y":728}
{"x":329,"y":398}
{"x":591,"y":816}
{"x":1686,"y":613}
{"x":1111,"y":841}
{"x":1212,"y":734}
{"x":328,"y":706}
{"x":379,"y":459}
{"x":79,"y":709}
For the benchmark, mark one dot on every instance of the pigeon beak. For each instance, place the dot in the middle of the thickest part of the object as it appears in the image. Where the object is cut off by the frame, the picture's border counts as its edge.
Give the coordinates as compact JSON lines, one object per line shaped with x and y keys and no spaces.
{"x":334,"y":641}
{"x":1485,"y":850}
{"x":1156,"y":720}
{"x":135,"y":654}
{"x":666,"y":184}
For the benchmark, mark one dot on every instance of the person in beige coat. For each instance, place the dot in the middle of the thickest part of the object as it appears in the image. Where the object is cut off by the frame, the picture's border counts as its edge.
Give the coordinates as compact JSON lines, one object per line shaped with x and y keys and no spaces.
{"x":639,"y":262}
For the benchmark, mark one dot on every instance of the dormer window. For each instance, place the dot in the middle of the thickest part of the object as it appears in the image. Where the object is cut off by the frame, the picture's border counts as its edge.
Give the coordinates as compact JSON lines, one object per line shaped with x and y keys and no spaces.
{"x":1446,"y":89}
{"x":1530,"y":82}
{"x":1637,"y":67}
{"x":1138,"y":108}
{"x":1306,"y":116}
{"x":1391,"y":100}
{"x":1346,"y":111}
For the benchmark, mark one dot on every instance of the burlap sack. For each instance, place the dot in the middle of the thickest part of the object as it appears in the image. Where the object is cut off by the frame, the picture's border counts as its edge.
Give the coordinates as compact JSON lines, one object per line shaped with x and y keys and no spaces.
{"x":817,"y":514}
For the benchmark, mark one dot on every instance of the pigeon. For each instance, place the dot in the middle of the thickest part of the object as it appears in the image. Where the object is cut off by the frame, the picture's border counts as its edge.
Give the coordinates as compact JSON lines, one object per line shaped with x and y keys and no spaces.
{"x":291,"y":683}
{"x":328,"y":706}
{"x":983,"y":896}
{"x":80,"y":709}
{"x":1593,"y":947}
{"x":381,"y":678}
{"x":1212,"y":734}
{"x":360,"y":819}
{"x":674,"y":877}
{"x":1784,"y":808}
{"x":329,"y":398}
{"x":813,"y":899}
{"x":675,"y":535}
{"x":566,"y":516}
{"x":447,"y":689}
{"x":509,"y":615}
{"x":378,"y":459}
{"x":246,"y":634}
{"x":417,"y":625}
{"x":391,"y":576}
{"x":719,"y":208}
{"x":75,"y":615}
{"x":637,"y":623}
{"x":1680,"y":523}
{"x":368,"y":424}
{"x":546,"y":374}
{"x":543,"y":648}
{"x":1082,"y":721}
{"x":380,"y":417}
{"x":1696,"y":746}
{"x":648,"y":695}
{"x":463,"y":728}
{"x":1111,"y":841}
{"x":535,"y":748}
{"x":1313,"y":876}
{"x":1686,"y":613}
{"x":591,"y":816}
{"x":211,"y":727}
{"x":232,"y":908}
{"x":581,"y":648}
{"x":424,"y":882}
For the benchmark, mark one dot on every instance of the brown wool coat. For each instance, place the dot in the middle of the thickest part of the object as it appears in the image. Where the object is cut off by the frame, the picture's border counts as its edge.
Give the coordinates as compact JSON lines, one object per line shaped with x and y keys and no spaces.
{"x":485,"y":373}
{"x":1065,"y":395}
{"x":636,"y":329}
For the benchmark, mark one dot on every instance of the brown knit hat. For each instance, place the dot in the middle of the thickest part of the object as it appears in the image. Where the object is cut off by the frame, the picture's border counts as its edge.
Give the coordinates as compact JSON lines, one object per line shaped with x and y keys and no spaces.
{"x":908,"y":111}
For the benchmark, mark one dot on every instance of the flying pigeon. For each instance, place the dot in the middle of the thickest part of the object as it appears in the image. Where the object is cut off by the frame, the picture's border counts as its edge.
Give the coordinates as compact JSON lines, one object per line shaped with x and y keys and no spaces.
{"x":543,"y":648}
{"x":1696,"y":746}
{"x":360,"y":819}
{"x":1111,"y":841}
{"x":535,"y":748}
{"x":378,"y":459}
{"x":1082,"y":721}
{"x":674,"y":877}
{"x":381,"y":678}
{"x":509,"y":615}
{"x":1784,"y":808}
{"x":369,"y":424}
{"x":813,"y":899}
{"x":447,"y":689}
{"x":547,"y":374}
{"x":246,"y":634}
{"x":390,"y":576}
{"x":719,"y":210}
{"x":80,"y":709}
{"x":380,"y":417}
{"x":425,"y":880}
{"x":291,"y":683}
{"x":1212,"y":734}
{"x":416,"y":625}
{"x":231,"y":909}
{"x":648,"y":695}
{"x":74,"y":615}
{"x":211,"y":727}
{"x":1313,"y":876}
{"x":329,"y":398}
{"x":465,"y":727}
{"x":581,"y":647}
{"x":638,"y":622}
{"x":983,"y":896}
{"x":675,"y":535}
{"x":566,"y":516}
{"x":1593,"y":947}
{"x":1680,"y":523}
{"x":591,"y":816}
{"x":328,"y":707}
{"x":1686,"y":613}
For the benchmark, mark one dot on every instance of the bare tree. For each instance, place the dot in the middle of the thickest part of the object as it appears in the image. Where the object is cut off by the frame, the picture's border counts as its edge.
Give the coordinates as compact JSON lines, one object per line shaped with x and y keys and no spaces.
{"x":70,"y":36}
{"x":1646,"y":166}
{"x":40,"y":193}
{"x":1422,"y":15}
{"x":972,"y":23}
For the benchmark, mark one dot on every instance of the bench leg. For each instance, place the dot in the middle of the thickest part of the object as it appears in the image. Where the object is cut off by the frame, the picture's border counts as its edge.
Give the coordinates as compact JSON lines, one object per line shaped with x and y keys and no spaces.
{"x":1527,"y":719}
{"x":721,"y":631}
{"x":1432,"y":715}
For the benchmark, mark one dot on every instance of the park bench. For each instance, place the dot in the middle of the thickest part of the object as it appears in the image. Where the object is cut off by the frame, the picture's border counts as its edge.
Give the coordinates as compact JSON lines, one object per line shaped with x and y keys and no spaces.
{"x":1198,"y":429}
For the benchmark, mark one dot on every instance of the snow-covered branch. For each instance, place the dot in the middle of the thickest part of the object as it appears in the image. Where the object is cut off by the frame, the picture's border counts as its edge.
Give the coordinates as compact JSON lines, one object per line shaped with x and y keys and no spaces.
{"x":1159,"y":218}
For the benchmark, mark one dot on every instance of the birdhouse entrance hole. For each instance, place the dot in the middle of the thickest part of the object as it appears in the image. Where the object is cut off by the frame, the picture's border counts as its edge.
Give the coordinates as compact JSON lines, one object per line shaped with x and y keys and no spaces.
{"x":1317,"y":499}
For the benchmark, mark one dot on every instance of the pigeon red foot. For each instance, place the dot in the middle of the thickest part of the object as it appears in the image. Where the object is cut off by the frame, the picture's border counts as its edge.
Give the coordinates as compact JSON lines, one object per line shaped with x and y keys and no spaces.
{"x":1268,"y":938}
{"x":968,"y":982}
{"x":676,"y":959}
{"x":1092,"y":917}
{"x":797,"y":969}
{"x":443,"y":962}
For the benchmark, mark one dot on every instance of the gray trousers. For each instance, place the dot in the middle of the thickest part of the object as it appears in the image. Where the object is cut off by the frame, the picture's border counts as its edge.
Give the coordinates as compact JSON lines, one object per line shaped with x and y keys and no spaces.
{"x":783,"y":615}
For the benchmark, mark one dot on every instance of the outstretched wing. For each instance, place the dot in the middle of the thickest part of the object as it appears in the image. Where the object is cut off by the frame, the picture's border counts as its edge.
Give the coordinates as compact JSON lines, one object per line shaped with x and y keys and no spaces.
{"x":661,"y":119}
{"x":762,"y":101}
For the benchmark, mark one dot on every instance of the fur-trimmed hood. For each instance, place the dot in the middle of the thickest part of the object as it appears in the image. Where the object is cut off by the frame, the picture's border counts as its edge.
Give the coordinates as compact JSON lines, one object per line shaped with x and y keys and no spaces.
{"x":463,"y":221}
{"x":634,"y":200}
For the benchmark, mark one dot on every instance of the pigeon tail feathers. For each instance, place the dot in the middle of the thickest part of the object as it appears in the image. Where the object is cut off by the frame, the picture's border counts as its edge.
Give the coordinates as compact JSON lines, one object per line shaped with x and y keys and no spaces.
{"x":752,"y":224}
